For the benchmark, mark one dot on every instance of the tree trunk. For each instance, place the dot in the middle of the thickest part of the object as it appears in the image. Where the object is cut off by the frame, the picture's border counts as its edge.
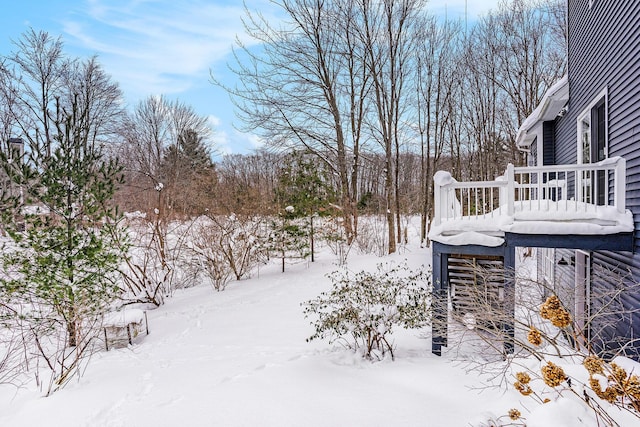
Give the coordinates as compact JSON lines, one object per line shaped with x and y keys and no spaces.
{"x":390,"y":204}
{"x":312,"y":239}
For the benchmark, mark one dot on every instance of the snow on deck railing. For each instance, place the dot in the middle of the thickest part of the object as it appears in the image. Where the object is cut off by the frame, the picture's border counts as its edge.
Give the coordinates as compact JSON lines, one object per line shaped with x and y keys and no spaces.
{"x":594,"y":185}
{"x":455,"y":200}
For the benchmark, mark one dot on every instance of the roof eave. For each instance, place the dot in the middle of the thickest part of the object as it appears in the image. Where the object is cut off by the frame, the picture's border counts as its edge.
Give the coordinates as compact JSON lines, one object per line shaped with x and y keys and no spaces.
{"x":553,"y":101}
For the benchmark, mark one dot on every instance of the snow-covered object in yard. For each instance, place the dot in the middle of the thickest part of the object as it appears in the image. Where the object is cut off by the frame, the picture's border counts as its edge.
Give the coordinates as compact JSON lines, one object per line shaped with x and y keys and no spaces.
{"x":469,"y":320}
{"x":120,"y":319}
{"x":122,"y":327}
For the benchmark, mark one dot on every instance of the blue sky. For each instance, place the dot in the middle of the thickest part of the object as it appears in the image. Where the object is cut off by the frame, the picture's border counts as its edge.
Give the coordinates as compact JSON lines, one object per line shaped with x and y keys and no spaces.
{"x":168,"y":47}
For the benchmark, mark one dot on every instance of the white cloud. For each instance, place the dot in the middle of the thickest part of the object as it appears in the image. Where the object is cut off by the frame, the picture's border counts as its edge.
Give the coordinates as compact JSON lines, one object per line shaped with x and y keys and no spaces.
{"x":221,"y":143}
{"x":157,"y":46}
{"x":214,"y":121}
{"x":254,"y":140}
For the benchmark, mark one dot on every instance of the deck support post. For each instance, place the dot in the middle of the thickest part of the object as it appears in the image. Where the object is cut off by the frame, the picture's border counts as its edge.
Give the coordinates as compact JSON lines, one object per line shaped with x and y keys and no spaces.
{"x":508,"y":325}
{"x":439,"y":300}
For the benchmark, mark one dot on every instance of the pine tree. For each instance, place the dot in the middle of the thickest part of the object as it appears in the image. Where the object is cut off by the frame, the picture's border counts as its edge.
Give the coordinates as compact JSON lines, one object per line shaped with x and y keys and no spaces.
{"x":188,"y":174}
{"x":304,"y":185}
{"x":60,"y":271}
{"x":65,"y":260}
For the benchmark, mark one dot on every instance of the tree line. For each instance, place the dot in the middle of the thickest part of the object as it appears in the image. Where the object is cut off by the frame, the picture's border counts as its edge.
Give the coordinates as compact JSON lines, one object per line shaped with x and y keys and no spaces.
{"x":356,"y":80}
{"x":382,"y":94}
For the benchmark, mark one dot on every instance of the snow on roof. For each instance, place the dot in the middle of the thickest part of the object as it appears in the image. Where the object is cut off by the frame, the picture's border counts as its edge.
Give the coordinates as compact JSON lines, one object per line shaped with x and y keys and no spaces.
{"x":554,"y":99}
{"x":565,"y":217}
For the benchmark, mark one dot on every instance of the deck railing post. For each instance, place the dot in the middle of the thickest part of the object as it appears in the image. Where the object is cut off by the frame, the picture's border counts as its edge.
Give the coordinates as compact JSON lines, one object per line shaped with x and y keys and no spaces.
{"x":510,"y":190}
{"x":437,"y":202}
{"x":619,"y":184}
{"x":541,"y":192}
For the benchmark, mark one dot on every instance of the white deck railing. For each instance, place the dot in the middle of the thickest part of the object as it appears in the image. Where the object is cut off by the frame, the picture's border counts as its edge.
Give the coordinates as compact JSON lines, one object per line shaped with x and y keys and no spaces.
{"x":592,"y":185}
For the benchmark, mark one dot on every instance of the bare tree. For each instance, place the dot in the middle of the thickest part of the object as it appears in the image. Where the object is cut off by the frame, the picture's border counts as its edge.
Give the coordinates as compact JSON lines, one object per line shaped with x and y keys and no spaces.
{"x":230,"y":245}
{"x":513,"y":56}
{"x":246,"y":184}
{"x":436,"y":76}
{"x":346,"y":79}
{"x":390,"y":30}
{"x":307,"y":87}
{"x":32,"y":78}
{"x":155,"y":125}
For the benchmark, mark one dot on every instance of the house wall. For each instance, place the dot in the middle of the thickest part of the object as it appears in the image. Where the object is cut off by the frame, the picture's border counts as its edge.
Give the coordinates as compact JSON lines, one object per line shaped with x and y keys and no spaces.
{"x":563,"y":275}
{"x":603,"y":54}
{"x":549,"y":139}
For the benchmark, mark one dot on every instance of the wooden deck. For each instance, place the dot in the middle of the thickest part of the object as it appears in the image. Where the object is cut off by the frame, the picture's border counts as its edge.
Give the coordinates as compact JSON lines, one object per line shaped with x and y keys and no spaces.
{"x":567,"y":206}
{"x":560,"y":200}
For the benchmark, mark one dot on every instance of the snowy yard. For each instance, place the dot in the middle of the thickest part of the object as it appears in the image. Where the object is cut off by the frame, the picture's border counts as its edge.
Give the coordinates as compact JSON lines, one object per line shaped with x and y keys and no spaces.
{"x":239,"y":358}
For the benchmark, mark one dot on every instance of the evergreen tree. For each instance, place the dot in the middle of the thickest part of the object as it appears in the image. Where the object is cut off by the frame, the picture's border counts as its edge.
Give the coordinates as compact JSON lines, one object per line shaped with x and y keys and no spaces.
{"x":188,"y":174}
{"x":60,"y":271}
{"x":66,"y":259}
{"x":304,"y":185}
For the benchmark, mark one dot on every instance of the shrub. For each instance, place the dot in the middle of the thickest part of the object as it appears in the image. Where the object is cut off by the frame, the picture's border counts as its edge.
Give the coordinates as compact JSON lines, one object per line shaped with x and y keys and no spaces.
{"x":226,"y":246}
{"x":599,"y":386}
{"x":362,"y":309}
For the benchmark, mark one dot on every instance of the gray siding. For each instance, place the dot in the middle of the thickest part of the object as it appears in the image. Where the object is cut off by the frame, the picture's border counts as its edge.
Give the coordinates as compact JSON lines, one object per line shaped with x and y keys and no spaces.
{"x":604,"y":53}
{"x":548,"y":143}
{"x":565,"y":277}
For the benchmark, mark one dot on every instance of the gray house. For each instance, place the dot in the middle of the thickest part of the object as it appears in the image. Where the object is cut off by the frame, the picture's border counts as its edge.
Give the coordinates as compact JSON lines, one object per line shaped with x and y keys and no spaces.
{"x":578,"y":198}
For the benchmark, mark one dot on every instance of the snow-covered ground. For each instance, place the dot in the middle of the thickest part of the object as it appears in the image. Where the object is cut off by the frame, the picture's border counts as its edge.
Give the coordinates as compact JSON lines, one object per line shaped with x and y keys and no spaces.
{"x":239,"y":358}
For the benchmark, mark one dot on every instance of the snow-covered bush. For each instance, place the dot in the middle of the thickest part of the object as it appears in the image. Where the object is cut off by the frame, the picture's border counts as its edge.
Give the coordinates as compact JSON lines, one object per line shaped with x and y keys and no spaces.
{"x":216,"y":268}
{"x":372,"y":235}
{"x":578,"y":374}
{"x":332,"y":234}
{"x":147,"y":273}
{"x":554,"y":362}
{"x":14,"y":360}
{"x":228,"y":245}
{"x":362,"y":309}
{"x":161,"y":258}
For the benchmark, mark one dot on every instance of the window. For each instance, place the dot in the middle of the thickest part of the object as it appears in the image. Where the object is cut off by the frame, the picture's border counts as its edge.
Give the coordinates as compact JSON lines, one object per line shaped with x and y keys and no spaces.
{"x":592,"y":148}
{"x":548,"y":257}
